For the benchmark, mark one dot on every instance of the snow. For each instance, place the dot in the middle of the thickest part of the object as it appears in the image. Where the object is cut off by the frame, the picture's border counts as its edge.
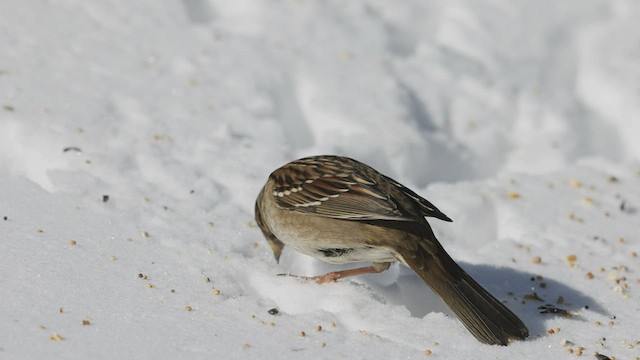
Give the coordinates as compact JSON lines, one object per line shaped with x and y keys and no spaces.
{"x":519,"y":120}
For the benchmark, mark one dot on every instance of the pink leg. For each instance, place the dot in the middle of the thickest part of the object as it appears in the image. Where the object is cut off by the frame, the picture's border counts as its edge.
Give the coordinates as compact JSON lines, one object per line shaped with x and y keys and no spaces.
{"x":335,"y":275}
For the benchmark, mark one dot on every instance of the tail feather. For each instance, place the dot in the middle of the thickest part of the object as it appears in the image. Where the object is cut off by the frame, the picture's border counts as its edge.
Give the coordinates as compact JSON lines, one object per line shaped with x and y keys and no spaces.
{"x":489,"y":320}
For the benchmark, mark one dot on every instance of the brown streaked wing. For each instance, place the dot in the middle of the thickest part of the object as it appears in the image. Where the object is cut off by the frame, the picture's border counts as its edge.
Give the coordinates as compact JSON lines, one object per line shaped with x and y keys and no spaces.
{"x":351,"y":197}
{"x":425,"y":206}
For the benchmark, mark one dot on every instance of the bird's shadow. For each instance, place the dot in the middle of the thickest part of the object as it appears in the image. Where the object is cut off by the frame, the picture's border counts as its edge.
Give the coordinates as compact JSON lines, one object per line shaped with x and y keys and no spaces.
{"x":522,"y":292}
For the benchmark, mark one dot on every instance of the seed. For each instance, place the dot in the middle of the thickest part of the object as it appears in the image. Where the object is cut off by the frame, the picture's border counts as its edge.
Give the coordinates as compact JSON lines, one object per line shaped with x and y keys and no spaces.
{"x":514,"y":195}
{"x":587,"y":201}
{"x":273,"y":311}
{"x":56,"y":337}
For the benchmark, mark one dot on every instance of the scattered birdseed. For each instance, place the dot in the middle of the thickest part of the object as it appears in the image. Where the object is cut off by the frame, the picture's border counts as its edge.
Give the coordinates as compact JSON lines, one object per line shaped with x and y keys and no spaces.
{"x":72,"y":148}
{"x":319,"y":328}
{"x":560,"y":300}
{"x":572,"y":258}
{"x":73,"y":242}
{"x":302,"y":334}
{"x":246,"y":345}
{"x":324,"y":344}
{"x":188,"y":308}
{"x":272,"y":324}
{"x":587,"y":201}
{"x":40,"y":231}
{"x":514,"y":195}
{"x":5,"y":218}
{"x":602,"y":357}
{"x":572,"y":216}
{"x":533,"y":296}
{"x":551,"y":309}
{"x":86,"y":322}
{"x":273,"y":311}
{"x":575,"y":183}
{"x":206,"y":278}
{"x":144,"y":234}
{"x":428,"y":352}
{"x":150,"y":286}
{"x":173,"y":291}
{"x":332,"y":324}
{"x":105,"y":198}
{"x":142,"y":276}
{"x":566,"y":342}
{"x":56,"y":337}
{"x":597,"y":323}
{"x":537,"y":260}
{"x":216,"y":292}
{"x":61,"y":310}
{"x":590,"y":275}
{"x":113,"y":258}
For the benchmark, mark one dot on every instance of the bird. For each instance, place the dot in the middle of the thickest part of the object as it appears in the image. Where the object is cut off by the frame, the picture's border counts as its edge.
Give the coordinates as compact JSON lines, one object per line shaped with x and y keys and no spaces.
{"x":340,"y":210}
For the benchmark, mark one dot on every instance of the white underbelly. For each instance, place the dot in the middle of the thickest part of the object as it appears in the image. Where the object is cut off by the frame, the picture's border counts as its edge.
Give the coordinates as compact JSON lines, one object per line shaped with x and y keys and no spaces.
{"x":341,"y":255}
{"x":316,"y":237}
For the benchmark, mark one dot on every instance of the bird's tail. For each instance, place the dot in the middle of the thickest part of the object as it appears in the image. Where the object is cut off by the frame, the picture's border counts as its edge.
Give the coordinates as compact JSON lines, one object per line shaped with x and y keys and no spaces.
{"x":489,"y":320}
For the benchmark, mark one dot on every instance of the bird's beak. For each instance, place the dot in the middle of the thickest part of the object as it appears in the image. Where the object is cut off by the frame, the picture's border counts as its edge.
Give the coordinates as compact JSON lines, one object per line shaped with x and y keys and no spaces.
{"x":276,"y":247}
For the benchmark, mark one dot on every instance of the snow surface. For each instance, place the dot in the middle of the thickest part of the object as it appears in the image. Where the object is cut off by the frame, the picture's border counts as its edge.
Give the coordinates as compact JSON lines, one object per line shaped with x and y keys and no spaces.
{"x":520,"y":120}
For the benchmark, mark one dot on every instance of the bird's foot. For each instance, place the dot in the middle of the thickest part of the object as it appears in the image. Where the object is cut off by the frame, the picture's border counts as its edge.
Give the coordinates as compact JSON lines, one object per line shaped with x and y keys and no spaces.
{"x":320,"y":279}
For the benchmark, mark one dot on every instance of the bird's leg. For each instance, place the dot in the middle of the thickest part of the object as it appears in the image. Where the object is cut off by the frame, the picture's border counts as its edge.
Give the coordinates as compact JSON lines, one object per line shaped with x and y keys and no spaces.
{"x":335,"y":275}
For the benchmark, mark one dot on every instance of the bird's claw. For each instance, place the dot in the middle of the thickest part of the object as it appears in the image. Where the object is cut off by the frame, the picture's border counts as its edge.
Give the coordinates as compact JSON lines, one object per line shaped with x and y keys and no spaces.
{"x":320,"y":279}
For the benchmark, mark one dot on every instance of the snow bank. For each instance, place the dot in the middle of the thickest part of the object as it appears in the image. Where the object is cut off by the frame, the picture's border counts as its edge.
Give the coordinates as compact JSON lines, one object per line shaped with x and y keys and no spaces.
{"x":135,"y":136}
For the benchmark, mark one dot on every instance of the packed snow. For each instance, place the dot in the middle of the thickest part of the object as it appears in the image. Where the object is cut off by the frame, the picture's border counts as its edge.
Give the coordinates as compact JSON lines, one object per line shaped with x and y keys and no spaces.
{"x":135,"y":136}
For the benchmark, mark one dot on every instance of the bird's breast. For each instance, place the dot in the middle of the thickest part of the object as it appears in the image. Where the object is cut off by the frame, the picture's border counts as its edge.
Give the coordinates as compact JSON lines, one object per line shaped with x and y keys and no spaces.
{"x":332,"y":240}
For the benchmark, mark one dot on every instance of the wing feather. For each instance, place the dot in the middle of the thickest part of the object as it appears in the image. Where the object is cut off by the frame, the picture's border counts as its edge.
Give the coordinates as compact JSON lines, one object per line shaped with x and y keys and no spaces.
{"x":340,"y":191}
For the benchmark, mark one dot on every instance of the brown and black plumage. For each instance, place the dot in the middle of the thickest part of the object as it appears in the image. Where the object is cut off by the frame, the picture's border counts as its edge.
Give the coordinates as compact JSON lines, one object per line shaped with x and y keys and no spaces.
{"x":340,"y":210}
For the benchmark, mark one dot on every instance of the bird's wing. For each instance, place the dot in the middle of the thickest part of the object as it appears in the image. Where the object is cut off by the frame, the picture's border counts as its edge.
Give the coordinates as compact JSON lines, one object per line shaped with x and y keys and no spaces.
{"x":340,"y":191}
{"x":425,"y":206}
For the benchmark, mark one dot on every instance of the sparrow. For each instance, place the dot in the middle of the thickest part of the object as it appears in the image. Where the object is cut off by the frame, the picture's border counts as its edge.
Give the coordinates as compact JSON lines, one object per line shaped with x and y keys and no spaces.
{"x":340,"y":210}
